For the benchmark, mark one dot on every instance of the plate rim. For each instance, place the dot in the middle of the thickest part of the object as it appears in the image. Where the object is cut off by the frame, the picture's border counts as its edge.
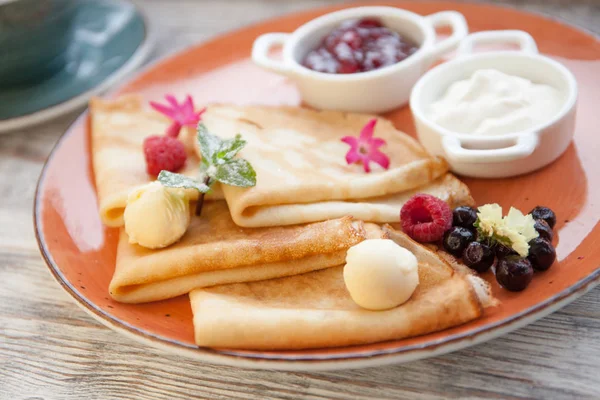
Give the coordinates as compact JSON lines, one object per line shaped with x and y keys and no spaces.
{"x":136,"y":59}
{"x":298,"y":363}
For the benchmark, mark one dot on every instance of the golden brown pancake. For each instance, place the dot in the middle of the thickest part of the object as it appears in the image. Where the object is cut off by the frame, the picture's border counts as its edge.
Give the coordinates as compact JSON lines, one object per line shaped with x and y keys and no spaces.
{"x":215,"y":251}
{"x":315,"y":310}
{"x":296,"y":183}
{"x":119,"y":128}
{"x":302,"y":174}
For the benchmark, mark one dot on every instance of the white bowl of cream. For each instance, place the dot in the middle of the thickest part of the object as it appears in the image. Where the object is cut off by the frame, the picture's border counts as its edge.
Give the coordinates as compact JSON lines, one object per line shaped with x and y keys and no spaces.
{"x":498,"y":113}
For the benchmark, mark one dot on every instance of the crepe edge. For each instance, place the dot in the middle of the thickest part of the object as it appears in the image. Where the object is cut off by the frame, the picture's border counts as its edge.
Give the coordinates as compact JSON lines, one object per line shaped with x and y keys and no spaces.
{"x":126,"y":102}
{"x":470,"y":305}
{"x":112,"y":206}
{"x":174,"y":287}
{"x":248,"y":208}
{"x":477,"y":296}
{"x":131,"y":286}
{"x":347,"y":230}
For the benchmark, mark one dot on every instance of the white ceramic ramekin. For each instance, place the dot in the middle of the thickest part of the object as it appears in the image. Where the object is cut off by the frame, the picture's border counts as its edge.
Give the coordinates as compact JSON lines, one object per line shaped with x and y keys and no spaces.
{"x":501,"y":155}
{"x":374,"y":91}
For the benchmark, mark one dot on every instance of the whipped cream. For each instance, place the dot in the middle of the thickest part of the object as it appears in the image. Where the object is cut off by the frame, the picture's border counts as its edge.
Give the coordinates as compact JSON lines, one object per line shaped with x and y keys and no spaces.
{"x":379,"y":274}
{"x":491,"y":102}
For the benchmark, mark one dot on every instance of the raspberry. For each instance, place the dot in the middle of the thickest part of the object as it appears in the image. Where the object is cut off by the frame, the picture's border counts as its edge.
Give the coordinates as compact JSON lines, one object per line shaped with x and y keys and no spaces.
{"x":163,"y":153}
{"x":425,"y":218}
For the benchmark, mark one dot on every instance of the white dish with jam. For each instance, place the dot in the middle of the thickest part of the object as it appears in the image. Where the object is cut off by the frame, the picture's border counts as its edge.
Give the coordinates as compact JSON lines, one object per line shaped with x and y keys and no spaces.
{"x":373,"y":91}
{"x":504,"y":154}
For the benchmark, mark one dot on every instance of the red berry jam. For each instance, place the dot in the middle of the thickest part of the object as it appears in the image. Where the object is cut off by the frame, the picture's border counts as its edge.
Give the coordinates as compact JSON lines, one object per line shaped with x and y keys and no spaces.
{"x":359,"y":46}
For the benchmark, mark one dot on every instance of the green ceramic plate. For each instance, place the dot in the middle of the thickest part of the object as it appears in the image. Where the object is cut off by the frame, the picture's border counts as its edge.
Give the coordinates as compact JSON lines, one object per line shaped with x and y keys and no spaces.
{"x":111,"y":39}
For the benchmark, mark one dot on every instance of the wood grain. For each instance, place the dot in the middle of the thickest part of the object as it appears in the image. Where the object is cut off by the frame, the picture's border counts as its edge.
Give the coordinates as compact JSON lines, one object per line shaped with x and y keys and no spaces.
{"x":50,"y":349}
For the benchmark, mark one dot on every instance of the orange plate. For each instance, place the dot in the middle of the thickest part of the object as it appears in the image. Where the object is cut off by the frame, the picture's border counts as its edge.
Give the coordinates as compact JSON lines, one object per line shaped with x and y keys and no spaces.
{"x":81,"y":252}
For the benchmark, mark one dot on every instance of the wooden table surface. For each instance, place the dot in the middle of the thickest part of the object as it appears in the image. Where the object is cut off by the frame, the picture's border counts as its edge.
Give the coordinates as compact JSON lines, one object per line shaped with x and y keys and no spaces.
{"x":51,"y":349}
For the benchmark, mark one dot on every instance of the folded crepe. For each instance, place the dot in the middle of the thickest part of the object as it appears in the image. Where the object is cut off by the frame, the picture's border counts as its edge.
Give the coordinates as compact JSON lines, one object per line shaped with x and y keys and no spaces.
{"x":118,"y":130}
{"x":302,"y":174}
{"x":215,"y":251}
{"x":315,"y":310}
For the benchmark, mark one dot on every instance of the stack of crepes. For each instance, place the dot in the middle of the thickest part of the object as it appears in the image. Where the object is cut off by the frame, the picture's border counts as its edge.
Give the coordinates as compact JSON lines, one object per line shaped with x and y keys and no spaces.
{"x":263,"y":265}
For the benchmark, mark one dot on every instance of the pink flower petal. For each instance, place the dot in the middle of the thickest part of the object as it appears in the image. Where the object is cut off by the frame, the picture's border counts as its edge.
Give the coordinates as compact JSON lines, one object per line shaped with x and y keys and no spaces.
{"x":169,"y":112}
{"x":353,"y":157}
{"x":173,"y":101}
{"x":199,"y":113}
{"x":377,"y":142}
{"x":366,"y":165}
{"x":181,"y":114}
{"x":367,"y":131}
{"x":188,"y":105}
{"x":351,"y":140}
{"x":365,"y":148}
{"x":380,"y":158}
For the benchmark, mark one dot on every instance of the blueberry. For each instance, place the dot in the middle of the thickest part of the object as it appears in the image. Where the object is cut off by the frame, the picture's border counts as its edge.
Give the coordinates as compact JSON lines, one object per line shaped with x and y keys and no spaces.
{"x":544,"y":213}
{"x":541,"y":254}
{"x":464,"y":216}
{"x":514,"y":273}
{"x":478,"y":256}
{"x":456,"y":240}
{"x":544,"y":230}
{"x":504,"y":251}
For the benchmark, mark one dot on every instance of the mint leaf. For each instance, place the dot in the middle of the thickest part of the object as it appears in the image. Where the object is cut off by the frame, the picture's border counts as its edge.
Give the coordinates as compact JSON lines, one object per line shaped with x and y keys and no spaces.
{"x":236,"y":172}
{"x":170,"y":179}
{"x":229,"y":148}
{"x":218,"y":162}
{"x":209,"y":145}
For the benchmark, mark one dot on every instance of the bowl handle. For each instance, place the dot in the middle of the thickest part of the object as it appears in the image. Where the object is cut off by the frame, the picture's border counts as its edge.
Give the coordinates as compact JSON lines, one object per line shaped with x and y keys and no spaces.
{"x":522,"y":39}
{"x":460,"y":29}
{"x":522,"y":146}
{"x":260,"y":51}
